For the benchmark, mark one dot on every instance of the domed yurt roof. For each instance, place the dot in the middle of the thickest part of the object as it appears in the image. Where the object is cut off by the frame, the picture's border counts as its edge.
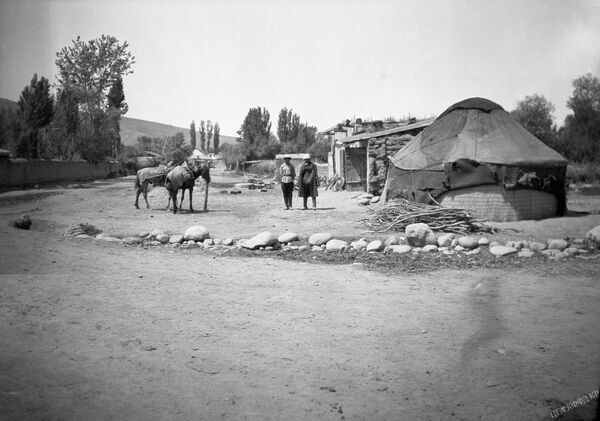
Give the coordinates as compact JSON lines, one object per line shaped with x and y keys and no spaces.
{"x":480,"y":130}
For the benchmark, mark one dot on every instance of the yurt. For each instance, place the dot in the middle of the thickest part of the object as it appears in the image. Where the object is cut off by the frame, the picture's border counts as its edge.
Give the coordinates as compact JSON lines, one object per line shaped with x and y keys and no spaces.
{"x":475,"y":155}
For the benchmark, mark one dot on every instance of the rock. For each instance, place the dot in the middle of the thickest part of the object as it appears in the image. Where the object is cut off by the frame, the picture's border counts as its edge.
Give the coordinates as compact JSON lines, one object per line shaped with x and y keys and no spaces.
{"x":571,"y":251}
{"x":336,"y":245}
{"x":525,"y":253}
{"x":23,"y":222}
{"x":416,"y":234}
{"x":458,"y":247}
{"x":152,"y":243}
{"x":557,"y":244}
{"x":228,"y":242}
{"x":83,"y":236}
{"x":241,"y":242}
{"x":454,"y":242}
{"x":196,"y":233}
{"x":474,"y":251}
{"x":366,"y":196}
{"x":447,"y":252}
{"x":416,"y":250}
{"x":190,"y":243}
{"x":578,"y":242}
{"x":431,"y":239}
{"x":176,"y":239}
{"x":400,"y":248}
{"x":111,"y":239}
{"x":302,"y":248}
{"x":553,"y":253}
{"x":156,"y":232}
{"x":445,"y":240}
{"x":264,"y":239}
{"x":375,"y":245}
{"x":429,"y":248}
{"x":144,"y":234}
{"x":484,"y":241}
{"x":364,"y":201}
{"x":287,"y":237}
{"x":316,"y":248}
{"x":592,"y":238}
{"x":494,"y":244}
{"x":163,"y":238}
{"x":269,"y":248}
{"x":360,"y":245}
{"x":391,"y":240}
{"x":209,"y":242}
{"x":535,"y":245}
{"x":502,"y":250}
{"x":319,"y":238}
{"x":468,"y":242}
{"x":234,"y":191}
{"x":375,"y":200}
{"x":132,"y":240}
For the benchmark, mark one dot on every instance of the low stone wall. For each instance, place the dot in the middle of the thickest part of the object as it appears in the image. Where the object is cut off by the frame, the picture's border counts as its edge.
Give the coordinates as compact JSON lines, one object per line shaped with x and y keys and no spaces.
{"x":23,"y":173}
{"x":380,"y":149}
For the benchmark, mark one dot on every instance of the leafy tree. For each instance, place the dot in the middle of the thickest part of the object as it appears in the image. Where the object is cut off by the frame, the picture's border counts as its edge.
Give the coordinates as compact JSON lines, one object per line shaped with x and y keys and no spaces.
{"x":288,"y":126}
{"x":255,"y":132}
{"x":535,"y":113}
{"x":209,"y":133}
{"x":90,"y":69}
{"x":580,"y":136}
{"x":233,"y":154}
{"x":202,"y":136}
{"x":320,"y":148}
{"x":117,"y":107}
{"x":36,"y":111}
{"x":193,"y":134}
{"x":10,"y":129}
{"x":65,"y":124}
{"x":216,"y":139}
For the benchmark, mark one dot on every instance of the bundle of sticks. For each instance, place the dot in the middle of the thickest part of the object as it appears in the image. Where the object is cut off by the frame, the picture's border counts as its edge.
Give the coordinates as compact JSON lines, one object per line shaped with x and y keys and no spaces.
{"x":396,"y":214}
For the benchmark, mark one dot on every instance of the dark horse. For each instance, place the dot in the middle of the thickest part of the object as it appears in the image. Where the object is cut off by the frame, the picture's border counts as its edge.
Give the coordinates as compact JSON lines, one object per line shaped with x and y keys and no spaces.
{"x":183,"y":177}
{"x":151,"y":176}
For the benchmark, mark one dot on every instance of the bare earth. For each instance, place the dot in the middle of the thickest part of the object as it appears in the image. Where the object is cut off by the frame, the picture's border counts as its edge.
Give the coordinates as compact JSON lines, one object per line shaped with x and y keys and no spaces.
{"x":92,"y":330}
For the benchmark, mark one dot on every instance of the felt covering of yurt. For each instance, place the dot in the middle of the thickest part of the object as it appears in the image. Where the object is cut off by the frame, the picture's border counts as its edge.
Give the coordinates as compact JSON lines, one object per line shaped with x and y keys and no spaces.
{"x":475,"y":155}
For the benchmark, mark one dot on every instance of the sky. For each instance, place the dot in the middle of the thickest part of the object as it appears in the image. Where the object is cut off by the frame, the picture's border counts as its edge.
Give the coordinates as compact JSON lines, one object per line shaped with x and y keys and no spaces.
{"x":327,"y":60}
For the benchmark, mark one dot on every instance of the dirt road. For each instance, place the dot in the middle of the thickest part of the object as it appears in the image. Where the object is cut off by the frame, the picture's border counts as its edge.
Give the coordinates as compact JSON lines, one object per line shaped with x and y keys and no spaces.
{"x":96,"y":330}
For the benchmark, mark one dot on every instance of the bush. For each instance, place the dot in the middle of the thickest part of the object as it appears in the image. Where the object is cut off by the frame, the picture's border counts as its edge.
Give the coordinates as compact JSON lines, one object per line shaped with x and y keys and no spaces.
{"x":262,"y":168}
{"x":583,"y":172}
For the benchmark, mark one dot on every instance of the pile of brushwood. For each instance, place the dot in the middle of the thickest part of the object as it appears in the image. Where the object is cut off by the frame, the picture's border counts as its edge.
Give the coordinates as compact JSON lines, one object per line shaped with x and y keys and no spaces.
{"x":396,"y":214}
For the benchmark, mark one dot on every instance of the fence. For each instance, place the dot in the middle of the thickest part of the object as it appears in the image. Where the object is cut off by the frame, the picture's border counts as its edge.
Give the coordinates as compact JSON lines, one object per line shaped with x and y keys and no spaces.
{"x":23,"y":173}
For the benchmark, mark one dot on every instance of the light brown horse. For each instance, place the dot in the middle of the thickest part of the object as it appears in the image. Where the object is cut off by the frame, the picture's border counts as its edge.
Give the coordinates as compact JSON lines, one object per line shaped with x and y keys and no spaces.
{"x":183,"y":177}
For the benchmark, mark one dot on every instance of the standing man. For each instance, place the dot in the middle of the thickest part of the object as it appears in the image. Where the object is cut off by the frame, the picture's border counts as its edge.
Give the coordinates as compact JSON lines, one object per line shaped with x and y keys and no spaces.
{"x":308,"y":181}
{"x":288,"y":174}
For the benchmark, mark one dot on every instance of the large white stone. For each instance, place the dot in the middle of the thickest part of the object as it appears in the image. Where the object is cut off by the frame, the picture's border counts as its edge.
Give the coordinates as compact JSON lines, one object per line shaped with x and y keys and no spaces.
{"x":176,"y":239}
{"x":445,"y":240}
{"x":375,"y":200}
{"x":557,"y":244}
{"x":375,"y":245}
{"x":156,"y":232}
{"x":536,"y":245}
{"x":400,"y":248}
{"x":196,"y":233}
{"x":502,"y":250}
{"x":287,"y":237}
{"x":592,"y":238}
{"x":319,"y":238}
{"x":416,"y":234}
{"x":360,"y":245}
{"x":264,"y":239}
{"x":468,"y":242}
{"x":162,"y":238}
{"x":336,"y":245}
{"x":429,"y":248}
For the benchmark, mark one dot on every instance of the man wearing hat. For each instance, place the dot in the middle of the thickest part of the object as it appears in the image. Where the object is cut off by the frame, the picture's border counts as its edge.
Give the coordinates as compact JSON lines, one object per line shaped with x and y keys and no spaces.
{"x":287,"y":173}
{"x":308,"y":181}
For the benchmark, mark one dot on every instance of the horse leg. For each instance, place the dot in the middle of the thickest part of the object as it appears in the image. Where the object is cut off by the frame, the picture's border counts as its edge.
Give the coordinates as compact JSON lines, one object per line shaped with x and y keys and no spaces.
{"x":182,"y":196}
{"x":191,"y":208}
{"x":137,"y":196}
{"x":145,"y":190}
{"x":174,"y":199}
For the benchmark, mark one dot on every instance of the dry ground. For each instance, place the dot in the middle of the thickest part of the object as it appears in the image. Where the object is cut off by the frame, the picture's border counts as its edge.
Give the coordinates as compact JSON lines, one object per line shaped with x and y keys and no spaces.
{"x":97,"y":330}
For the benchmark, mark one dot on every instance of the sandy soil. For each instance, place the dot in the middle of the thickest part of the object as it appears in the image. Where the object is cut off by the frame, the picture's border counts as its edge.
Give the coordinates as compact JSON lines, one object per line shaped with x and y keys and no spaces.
{"x":98,"y":330}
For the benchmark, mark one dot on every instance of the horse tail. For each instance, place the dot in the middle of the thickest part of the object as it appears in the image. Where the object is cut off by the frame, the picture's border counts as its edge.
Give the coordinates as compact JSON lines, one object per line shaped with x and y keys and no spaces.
{"x":137,"y":181}
{"x":168,"y":184}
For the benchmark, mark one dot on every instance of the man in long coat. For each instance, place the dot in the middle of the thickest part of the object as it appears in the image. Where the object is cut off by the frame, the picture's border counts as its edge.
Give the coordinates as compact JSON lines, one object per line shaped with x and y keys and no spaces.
{"x":308,"y":181}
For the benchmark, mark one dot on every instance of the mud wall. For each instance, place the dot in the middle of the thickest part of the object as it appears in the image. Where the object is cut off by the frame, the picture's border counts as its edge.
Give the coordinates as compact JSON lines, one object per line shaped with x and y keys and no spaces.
{"x":22,"y":173}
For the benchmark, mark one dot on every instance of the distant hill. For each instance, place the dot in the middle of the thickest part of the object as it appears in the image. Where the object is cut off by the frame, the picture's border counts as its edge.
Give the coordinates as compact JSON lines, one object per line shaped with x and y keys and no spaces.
{"x":132,"y":128}
{"x":8,"y":104}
